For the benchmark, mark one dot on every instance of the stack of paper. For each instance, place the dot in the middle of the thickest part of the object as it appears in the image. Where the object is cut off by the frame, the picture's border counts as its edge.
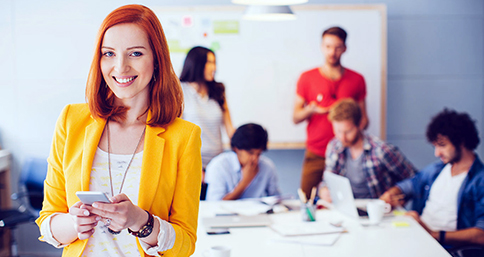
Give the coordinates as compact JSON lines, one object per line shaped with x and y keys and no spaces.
{"x":305,"y":228}
{"x":321,"y":240}
{"x":311,"y":233}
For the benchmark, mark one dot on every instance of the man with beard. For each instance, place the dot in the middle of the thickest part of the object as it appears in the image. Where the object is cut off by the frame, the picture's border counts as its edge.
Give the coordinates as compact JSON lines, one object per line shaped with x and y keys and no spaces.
{"x":317,"y":90}
{"x":448,"y":196}
{"x":371,"y":165}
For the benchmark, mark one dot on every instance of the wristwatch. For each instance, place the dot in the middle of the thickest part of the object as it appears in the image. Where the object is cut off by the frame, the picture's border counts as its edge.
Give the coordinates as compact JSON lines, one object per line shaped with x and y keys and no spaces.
{"x":441,"y":237}
{"x":146,"y":229}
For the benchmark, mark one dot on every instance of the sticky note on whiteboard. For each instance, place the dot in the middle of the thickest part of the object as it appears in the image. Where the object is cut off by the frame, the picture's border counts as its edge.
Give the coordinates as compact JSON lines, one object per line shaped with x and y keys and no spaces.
{"x":187,"y":21}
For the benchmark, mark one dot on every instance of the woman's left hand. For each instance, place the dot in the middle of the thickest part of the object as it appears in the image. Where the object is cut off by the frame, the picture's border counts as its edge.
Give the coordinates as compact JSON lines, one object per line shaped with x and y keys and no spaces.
{"x":121,"y":212}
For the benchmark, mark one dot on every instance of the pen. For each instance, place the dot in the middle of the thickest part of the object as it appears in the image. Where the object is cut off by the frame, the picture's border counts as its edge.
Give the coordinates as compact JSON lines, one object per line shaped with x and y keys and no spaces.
{"x":313,"y":195}
{"x":310,"y":215}
{"x":302,"y":196}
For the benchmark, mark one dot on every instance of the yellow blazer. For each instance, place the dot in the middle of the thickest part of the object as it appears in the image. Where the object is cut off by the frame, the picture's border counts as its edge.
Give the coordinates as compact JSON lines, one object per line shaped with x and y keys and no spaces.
{"x":170,"y":174}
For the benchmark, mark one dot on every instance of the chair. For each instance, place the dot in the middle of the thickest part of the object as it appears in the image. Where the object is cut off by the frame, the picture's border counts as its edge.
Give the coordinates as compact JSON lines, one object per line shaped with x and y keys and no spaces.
{"x":30,"y":197}
{"x":467,"y":251}
{"x":203,"y":191}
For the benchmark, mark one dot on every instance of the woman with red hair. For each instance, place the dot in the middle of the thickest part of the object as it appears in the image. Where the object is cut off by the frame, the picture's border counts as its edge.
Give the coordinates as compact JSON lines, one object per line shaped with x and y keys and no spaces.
{"x":128,"y":142}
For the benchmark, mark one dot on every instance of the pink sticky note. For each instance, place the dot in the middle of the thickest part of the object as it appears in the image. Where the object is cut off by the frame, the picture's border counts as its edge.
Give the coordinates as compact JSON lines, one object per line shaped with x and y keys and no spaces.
{"x":187,"y":21}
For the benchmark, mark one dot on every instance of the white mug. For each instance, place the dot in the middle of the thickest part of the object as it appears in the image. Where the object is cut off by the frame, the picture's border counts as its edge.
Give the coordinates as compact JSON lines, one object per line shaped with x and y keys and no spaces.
{"x":217,"y":251}
{"x":376,"y":209}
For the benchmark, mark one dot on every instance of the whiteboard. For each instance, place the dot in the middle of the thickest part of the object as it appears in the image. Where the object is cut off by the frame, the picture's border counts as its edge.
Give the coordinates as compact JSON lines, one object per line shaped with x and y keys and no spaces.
{"x":260,"y":62}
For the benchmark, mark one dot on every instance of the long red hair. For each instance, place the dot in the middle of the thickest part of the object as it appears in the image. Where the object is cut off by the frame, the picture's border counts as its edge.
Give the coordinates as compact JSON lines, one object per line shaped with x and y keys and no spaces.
{"x":166,"y":97}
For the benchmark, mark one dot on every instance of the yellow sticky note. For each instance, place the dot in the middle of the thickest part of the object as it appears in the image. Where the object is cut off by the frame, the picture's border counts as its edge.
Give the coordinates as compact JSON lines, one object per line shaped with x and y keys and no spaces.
{"x":400,"y":224}
{"x":399,"y":213}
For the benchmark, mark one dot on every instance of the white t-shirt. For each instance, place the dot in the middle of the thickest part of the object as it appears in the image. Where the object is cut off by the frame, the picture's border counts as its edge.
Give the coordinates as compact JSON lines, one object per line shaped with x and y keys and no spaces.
{"x":440,"y":212}
{"x":207,"y":114}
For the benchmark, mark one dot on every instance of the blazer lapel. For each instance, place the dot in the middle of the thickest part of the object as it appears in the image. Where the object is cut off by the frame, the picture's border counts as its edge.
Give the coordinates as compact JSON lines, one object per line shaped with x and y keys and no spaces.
{"x":92,"y":136}
{"x":151,"y":166}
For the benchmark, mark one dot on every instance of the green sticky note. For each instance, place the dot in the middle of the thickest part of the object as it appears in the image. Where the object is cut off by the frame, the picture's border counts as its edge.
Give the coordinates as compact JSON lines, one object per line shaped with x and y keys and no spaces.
{"x":175,"y":47}
{"x":215,"y":46}
{"x":400,"y":224}
{"x":226,"y":27}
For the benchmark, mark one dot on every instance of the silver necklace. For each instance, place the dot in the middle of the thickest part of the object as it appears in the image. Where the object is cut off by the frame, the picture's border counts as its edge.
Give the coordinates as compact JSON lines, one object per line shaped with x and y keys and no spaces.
{"x":129,"y":164}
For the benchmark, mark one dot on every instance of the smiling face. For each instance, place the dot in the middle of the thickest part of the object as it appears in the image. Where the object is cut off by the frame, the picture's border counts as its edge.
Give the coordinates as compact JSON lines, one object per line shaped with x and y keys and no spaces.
{"x":333,"y":47}
{"x":127,"y":62}
{"x":210,"y":67}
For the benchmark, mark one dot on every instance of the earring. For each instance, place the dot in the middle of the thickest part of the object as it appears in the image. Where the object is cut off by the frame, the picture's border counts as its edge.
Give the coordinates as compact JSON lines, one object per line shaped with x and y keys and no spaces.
{"x":154,"y":78}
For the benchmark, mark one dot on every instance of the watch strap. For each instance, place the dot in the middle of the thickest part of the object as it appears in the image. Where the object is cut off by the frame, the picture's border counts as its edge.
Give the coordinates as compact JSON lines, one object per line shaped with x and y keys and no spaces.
{"x":441,"y":236}
{"x":145,"y":230}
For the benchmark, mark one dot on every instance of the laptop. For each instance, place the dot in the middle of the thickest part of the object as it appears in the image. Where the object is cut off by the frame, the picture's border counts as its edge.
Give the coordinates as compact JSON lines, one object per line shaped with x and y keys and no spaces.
{"x":237,"y":221}
{"x":342,"y":196}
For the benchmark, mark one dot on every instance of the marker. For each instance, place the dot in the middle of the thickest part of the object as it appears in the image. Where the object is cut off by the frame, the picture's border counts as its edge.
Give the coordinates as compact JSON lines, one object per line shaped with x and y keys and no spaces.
{"x":302,"y":196}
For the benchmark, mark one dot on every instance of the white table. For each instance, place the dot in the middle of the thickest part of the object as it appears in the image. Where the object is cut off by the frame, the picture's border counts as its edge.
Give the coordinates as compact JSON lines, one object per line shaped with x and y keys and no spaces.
{"x":359,"y":241}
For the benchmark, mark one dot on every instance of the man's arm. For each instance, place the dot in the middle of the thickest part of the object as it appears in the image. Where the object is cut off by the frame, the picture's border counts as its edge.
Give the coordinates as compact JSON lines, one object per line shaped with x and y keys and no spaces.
{"x":249,"y":171}
{"x":394,"y":196}
{"x":468,"y":236}
{"x":462,"y":237}
{"x":303,"y":111}
{"x":216,"y":179}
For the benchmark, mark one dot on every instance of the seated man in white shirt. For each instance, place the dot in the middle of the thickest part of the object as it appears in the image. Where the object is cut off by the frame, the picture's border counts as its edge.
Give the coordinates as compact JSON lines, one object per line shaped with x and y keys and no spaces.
{"x":448,"y":195}
{"x":242,"y":172}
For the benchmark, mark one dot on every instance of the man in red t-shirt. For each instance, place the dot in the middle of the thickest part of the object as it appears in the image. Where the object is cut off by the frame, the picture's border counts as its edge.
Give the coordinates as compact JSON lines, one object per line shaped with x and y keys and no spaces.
{"x":317,"y":90}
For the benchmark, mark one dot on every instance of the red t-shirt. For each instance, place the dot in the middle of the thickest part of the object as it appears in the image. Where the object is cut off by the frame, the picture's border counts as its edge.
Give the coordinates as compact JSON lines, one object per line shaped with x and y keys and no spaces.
{"x":312,"y":86}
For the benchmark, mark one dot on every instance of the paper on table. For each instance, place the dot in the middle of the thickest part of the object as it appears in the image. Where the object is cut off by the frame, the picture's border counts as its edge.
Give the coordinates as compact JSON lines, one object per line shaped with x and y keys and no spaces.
{"x":323,"y":240}
{"x":305,"y":228}
{"x":245,"y":207}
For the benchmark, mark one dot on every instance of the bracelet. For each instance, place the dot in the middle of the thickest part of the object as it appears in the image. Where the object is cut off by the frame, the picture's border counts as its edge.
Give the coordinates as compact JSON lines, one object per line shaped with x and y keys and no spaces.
{"x":441,"y":236}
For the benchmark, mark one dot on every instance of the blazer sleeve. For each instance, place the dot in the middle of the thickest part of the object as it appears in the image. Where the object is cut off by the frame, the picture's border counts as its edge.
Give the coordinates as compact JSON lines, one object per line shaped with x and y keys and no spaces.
{"x":184,"y":209}
{"x":54,"y":184}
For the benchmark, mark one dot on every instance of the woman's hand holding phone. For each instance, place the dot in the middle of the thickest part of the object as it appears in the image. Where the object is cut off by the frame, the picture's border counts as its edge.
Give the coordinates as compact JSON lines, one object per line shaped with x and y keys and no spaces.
{"x":121,"y":212}
{"x":84,"y":220}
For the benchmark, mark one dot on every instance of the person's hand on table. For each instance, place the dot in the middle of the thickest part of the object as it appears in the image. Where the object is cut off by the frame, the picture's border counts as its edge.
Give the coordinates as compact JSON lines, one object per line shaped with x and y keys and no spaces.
{"x":416,"y":216}
{"x":394,"y":197}
{"x":324,"y":194}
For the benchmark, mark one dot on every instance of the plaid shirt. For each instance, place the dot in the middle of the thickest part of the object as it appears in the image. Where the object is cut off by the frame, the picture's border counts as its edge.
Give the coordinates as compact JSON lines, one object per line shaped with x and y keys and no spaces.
{"x":383,"y":164}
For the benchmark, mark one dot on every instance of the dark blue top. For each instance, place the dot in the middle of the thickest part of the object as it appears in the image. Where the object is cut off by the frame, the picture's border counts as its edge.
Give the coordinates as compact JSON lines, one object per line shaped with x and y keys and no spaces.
{"x":470,"y":209}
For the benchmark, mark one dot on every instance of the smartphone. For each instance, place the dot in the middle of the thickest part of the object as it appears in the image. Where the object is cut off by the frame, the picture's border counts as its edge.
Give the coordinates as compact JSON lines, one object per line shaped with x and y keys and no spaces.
{"x":218,"y":231}
{"x":89,"y":197}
